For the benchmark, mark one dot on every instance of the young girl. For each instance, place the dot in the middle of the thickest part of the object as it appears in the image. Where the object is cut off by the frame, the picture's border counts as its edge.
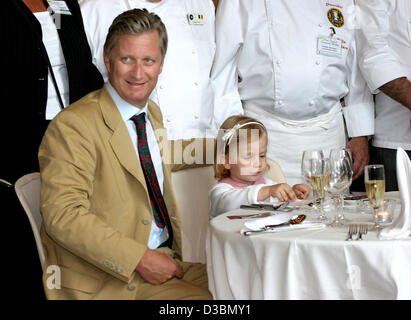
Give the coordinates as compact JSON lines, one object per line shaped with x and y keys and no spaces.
{"x":240,"y":166}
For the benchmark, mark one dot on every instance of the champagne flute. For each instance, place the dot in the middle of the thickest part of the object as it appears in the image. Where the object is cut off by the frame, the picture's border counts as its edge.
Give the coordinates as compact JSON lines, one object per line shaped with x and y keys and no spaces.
{"x":320,"y":175}
{"x":374,"y":177}
{"x":306,"y":168}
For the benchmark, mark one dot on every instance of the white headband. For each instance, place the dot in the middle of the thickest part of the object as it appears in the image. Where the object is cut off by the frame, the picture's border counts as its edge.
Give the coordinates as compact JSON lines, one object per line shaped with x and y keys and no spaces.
{"x":230,"y":133}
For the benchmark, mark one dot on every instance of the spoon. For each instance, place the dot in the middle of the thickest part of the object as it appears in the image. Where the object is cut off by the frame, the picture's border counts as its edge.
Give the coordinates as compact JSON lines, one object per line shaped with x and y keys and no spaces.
{"x":294,"y":220}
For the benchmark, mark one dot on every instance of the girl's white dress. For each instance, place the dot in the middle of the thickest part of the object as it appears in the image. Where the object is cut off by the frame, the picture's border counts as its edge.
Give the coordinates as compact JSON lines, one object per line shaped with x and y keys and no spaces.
{"x":229,"y":195}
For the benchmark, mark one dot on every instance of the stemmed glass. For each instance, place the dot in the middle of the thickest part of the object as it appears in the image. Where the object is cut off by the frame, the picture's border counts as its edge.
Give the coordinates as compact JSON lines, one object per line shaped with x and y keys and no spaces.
{"x":320,"y":175}
{"x":341,"y":173}
{"x":306,"y":168}
{"x":340,"y":179}
{"x":374,"y":177}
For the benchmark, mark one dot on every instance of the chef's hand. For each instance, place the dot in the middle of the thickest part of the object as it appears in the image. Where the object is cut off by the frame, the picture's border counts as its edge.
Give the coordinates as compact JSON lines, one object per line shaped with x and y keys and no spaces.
{"x":360,"y":154}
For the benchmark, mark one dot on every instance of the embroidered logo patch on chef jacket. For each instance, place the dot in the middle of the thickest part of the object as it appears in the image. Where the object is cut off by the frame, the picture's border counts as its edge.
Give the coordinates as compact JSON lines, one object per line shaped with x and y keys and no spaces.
{"x":336,"y":17}
{"x":195,"y":18}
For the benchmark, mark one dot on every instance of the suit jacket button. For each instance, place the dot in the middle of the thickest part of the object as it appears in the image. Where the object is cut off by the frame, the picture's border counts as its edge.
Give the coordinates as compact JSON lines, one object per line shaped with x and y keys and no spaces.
{"x":131,"y":286}
{"x":146,"y":221}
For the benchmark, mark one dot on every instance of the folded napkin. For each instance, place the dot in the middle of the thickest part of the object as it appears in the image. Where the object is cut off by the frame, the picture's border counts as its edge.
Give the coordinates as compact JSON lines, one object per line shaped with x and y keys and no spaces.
{"x":401,"y":226}
{"x":291,"y":227}
{"x":277,"y":219}
{"x":260,"y":223}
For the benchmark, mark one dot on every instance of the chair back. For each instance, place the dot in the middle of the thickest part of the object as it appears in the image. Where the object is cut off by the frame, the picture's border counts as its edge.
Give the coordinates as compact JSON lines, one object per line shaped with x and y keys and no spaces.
{"x":28,"y":191}
{"x":191,"y":188}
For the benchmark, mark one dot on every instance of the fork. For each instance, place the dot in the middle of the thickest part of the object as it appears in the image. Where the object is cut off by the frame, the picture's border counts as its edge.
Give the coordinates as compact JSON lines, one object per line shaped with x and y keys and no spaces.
{"x":363,"y":230}
{"x":352,"y":229}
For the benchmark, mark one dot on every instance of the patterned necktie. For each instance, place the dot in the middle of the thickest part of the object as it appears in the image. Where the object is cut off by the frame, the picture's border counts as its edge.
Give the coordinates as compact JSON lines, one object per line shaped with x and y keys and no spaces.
{"x":157,"y":201}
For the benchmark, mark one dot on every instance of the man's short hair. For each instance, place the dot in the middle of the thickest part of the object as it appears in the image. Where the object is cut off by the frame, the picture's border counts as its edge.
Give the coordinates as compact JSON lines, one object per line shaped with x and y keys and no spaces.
{"x":135,"y":21}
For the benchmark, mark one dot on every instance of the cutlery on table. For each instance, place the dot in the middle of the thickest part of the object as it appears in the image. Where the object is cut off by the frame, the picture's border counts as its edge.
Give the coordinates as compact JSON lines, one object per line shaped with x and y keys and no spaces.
{"x":352,"y":229}
{"x":363,"y":229}
{"x":294,"y":220}
{"x":251,"y":216}
{"x":265,"y":206}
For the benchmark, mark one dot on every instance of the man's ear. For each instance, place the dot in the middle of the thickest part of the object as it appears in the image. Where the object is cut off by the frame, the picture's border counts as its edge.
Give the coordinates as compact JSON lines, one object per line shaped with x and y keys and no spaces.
{"x":106,"y":62}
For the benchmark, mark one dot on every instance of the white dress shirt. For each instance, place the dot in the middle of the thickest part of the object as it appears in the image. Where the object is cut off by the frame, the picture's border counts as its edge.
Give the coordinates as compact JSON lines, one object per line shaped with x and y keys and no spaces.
{"x":384,"y":46}
{"x":271,"y":47}
{"x":183,"y":90}
{"x":52,"y":44}
{"x":157,"y":235}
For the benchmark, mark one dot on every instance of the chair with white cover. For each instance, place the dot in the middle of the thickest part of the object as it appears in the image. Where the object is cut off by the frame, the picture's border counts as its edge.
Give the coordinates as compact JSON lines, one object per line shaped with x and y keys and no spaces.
{"x":28,"y":191}
{"x":191,"y":188}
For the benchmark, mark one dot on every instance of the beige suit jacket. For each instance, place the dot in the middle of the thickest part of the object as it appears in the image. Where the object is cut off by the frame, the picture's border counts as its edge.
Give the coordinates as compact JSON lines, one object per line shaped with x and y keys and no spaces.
{"x":94,"y":201}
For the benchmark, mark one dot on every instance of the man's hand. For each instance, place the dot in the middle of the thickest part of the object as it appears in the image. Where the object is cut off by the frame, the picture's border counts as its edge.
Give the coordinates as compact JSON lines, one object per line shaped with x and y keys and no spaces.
{"x":360,"y":154}
{"x":156,"y":267}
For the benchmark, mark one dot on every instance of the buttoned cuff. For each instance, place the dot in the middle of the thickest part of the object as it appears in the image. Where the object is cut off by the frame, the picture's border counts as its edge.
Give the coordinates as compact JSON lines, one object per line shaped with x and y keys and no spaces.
{"x":359,"y":119}
{"x":123,"y":263}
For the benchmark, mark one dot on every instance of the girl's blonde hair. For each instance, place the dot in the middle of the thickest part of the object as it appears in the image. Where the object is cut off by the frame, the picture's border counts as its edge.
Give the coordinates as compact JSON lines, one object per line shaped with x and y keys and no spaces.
{"x":229,"y":135}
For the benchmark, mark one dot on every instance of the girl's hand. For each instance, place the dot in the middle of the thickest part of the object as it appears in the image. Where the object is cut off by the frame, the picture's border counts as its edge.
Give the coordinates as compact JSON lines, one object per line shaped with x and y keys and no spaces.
{"x":283,"y":192}
{"x":301,"y":190}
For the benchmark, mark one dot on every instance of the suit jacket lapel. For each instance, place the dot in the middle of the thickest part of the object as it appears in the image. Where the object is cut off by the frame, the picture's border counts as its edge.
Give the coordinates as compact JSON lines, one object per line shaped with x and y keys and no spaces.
{"x":120,"y":140}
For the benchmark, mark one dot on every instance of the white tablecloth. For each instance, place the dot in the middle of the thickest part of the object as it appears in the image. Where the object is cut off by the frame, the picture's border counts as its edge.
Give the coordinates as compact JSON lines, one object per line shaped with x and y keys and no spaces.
{"x":305,"y":264}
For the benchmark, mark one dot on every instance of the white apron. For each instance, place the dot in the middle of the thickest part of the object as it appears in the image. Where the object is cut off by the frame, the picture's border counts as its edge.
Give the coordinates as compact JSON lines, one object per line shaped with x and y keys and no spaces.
{"x":287,"y":139}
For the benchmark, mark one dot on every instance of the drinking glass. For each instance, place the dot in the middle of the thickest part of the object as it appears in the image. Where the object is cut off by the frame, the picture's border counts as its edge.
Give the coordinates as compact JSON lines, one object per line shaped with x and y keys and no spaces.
{"x":374,"y":178}
{"x":343,"y":153}
{"x":342,"y":171}
{"x":340,"y":179}
{"x":306,"y":168}
{"x":320,"y":175}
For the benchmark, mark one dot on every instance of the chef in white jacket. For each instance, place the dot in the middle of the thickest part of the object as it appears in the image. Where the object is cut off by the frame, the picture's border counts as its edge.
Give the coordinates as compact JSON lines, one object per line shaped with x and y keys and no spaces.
{"x":384,"y":47}
{"x":288,"y":64}
{"x":183,"y":90}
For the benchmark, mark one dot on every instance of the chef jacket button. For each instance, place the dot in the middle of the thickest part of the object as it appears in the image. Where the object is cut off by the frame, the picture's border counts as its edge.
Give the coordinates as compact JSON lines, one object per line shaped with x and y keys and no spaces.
{"x":317,"y":62}
{"x":161,"y":86}
{"x":196,"y":117}
{"x":311,"y":103}
{"x":196,"y":83}
{"x":280,"y":102}
{"x":131,"y":286}
{"x":278,"y":62}
{"x":320,"y":25}
{"x":146,"y":221}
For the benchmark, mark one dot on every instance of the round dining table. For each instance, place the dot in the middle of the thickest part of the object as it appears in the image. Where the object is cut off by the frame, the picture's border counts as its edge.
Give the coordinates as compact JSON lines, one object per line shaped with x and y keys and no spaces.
{"x":306,"y":263}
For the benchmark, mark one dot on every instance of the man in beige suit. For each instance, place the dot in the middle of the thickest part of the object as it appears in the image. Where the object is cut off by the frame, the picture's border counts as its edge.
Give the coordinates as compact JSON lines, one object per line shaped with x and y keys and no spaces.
{"x":98,"y":231}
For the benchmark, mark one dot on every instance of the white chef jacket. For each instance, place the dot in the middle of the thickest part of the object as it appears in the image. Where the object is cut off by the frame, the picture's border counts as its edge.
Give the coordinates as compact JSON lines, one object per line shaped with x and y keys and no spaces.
{"x":384,"y":47}
{"x":266,"y":57}
{"x":183,"y":92}
{"x":225,"y":197}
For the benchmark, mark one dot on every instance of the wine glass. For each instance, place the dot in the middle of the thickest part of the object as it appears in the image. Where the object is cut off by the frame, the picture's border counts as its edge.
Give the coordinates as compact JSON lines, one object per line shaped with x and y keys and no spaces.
{"x":374,"y":177}
{"x":306,"y":168}
{"x":342,"y":171}
{"x":340,"y":179}
{"x":343,"y":153}
{"x":320,"y":174}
